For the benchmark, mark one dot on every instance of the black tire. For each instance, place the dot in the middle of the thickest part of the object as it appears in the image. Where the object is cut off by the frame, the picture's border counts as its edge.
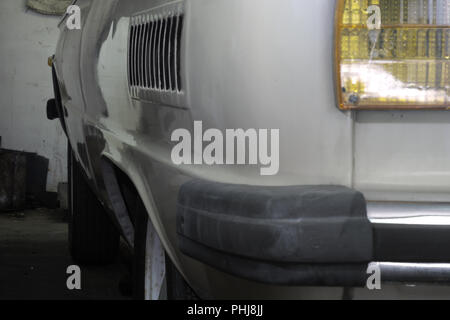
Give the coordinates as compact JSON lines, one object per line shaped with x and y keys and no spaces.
{"x":177,"y":287}
{"x":93,"y":238}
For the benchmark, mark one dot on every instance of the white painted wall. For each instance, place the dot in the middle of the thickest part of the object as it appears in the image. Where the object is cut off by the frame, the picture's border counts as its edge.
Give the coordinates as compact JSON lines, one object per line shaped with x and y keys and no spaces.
{"x":27,"y":39}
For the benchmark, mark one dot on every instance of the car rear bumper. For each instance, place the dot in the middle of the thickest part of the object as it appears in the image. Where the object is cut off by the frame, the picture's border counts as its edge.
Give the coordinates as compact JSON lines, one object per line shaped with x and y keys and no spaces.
{"x":307,"y":235}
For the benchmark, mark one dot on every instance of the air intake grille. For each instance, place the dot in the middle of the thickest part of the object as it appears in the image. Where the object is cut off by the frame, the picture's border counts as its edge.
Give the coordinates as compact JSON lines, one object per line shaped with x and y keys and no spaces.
{"x":155,"y":51}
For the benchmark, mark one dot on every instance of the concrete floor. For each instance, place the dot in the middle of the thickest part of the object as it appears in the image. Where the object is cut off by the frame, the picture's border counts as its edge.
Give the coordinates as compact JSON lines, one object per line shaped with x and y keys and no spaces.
{"x":34,"y":258}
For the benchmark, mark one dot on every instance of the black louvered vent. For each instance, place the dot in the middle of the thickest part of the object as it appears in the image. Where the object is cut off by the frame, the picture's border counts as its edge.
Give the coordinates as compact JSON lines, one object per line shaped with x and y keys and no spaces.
{"x":155,"y":51}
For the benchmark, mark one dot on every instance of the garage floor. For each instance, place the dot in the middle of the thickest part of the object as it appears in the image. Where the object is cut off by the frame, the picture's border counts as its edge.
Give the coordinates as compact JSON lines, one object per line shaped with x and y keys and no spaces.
{"x":34,"y":258}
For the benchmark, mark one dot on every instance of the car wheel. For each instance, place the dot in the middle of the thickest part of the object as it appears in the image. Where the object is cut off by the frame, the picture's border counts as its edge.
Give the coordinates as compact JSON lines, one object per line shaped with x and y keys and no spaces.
{"x":176,"y":287}
{"x":93,"y":238}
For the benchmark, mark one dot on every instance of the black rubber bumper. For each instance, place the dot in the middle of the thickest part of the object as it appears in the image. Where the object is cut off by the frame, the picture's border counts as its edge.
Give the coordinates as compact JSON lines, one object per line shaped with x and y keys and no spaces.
{"x":296,"y":235}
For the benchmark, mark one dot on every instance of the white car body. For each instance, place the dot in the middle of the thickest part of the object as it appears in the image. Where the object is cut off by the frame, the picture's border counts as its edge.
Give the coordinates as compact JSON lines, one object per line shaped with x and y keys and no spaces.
{"x":244,"y":64}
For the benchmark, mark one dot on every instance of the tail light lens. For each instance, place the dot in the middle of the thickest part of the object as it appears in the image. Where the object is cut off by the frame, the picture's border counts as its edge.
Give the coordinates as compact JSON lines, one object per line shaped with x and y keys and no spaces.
{"x":393,"y":54}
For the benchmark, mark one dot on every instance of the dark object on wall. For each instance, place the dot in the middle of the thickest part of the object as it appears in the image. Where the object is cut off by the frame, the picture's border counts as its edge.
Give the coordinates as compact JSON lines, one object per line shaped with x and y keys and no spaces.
{"x":63,"y":195}
{"x":36,"y":181}
{"x":49,"y":200}
{"x":49,"y":7}
{"x":23,"y":181}
{"x":13,"y":173}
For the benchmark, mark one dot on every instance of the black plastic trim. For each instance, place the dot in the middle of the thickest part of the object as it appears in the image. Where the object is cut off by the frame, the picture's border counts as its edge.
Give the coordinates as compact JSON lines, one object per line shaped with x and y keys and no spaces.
{"x":411,"y":243}
{"x":286,"y":274}
{"x":293,"y":235}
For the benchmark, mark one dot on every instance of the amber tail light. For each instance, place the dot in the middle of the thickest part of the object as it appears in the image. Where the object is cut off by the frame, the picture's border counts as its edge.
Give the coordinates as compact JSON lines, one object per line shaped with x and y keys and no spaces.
{"x":393,"y":54}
